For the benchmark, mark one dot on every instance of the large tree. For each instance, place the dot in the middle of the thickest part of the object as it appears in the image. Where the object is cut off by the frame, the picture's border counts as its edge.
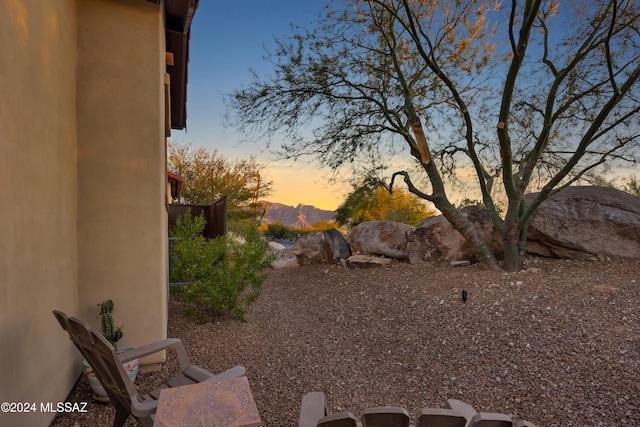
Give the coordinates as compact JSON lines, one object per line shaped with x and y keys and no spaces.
{"x":208,"y":175}
{"x":528,"y":94}
{"x":370,"y":201}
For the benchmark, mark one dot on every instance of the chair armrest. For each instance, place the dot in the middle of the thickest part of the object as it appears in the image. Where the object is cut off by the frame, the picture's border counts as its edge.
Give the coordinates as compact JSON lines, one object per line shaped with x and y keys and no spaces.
{"x":313,"y":408}
{"x":156,"y":347}
{"x":235,"y":372}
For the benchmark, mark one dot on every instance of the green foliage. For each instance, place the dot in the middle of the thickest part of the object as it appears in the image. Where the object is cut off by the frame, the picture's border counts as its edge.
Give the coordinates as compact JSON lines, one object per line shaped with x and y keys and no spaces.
{"x":279,"y":231}
{"x":324,"y":225}
{"x":368,"y":203}
{"x":223,"y":275}
{"x":112,"y":333}
{"x":208,"y":176}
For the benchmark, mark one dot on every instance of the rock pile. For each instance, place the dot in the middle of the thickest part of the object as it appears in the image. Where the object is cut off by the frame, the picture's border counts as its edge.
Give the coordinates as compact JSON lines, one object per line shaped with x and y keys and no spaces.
{"x":576,"y":223}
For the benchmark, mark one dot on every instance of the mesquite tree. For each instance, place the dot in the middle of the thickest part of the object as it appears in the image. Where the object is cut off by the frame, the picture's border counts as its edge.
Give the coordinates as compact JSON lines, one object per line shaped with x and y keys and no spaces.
{"x":527,"y":94}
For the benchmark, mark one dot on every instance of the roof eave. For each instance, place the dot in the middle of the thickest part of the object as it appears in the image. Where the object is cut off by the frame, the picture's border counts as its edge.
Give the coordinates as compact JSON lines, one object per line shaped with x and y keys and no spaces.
{"x":178,"y":18}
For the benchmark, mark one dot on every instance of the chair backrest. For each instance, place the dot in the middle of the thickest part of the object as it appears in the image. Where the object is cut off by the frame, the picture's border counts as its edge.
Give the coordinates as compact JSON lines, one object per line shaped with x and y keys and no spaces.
{"x":491,"y":420}
{"x":436,"y":417}
{"x":102,"y":357}
{"x":371,"y":417}
{"x":385,"y":417}
{"x":457,"y":414}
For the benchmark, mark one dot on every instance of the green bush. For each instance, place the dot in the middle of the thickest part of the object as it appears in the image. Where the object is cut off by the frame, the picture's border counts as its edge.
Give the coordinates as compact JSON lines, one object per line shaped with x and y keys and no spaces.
{"x":279,"y":231}
{"x":223,"y":275}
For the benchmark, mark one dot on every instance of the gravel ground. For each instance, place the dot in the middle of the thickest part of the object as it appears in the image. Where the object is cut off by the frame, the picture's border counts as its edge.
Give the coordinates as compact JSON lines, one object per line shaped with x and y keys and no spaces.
{"x":557,"y":344}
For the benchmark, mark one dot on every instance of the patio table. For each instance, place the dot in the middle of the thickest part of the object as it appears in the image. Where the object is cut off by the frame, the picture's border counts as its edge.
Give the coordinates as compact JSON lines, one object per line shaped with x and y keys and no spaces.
{"x":226,"y":403}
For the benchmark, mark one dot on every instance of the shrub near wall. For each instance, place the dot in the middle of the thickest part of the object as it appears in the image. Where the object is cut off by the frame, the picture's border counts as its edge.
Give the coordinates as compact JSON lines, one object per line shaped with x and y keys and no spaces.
{"x":223,"y":275}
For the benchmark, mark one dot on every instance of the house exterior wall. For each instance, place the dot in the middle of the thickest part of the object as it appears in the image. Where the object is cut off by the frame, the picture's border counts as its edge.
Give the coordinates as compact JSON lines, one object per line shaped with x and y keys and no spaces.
{"x":83,"y":185}
{"x":38,"y":203}
{"x":122,"y":218}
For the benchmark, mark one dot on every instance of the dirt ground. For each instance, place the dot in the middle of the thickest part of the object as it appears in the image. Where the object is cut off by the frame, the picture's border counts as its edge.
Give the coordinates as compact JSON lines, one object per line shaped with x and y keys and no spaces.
{"x":557,"y":344}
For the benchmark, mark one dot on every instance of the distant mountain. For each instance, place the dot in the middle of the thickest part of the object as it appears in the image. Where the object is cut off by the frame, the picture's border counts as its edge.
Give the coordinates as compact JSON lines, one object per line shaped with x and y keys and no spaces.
{"x":301,"y":216}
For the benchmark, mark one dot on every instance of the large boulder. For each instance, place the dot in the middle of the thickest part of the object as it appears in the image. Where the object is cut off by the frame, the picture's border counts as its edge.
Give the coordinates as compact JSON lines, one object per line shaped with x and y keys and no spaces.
{"x":309,"y":249}
{"x":586,"y":223}
{"x":435,"y":239}
{"x":336,"y":245}
{"x":328,"y":246}
{"x":385,"y":238}
{"x":284,"y":259}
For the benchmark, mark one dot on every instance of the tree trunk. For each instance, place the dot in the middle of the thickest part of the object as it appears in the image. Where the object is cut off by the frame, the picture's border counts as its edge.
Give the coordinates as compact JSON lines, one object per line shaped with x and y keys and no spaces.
{"x":420,"y":150}
{"x":453,"y":215}
{"x":513,"y":256}
{"x":470,"y":233}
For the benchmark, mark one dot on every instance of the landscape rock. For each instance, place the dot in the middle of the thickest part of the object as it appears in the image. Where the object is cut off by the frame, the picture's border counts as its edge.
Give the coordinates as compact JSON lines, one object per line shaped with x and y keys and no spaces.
{"x":336,"y":245}
{"x":285,"y":262}
{"x":276,"y":246}
{"x":435,"y":239}
{"x":576,"y":223}
{"x":586,"y":222}
{"x":284,"y":258}
{"x":385,"y":238}
{"x":366,"y":261}
{"x":310,"y":249}
{"x":328,"y":246}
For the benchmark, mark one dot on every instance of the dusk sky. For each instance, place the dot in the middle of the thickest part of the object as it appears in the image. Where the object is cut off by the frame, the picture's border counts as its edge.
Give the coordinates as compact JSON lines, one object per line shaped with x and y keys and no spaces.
{"x":228,"y":40}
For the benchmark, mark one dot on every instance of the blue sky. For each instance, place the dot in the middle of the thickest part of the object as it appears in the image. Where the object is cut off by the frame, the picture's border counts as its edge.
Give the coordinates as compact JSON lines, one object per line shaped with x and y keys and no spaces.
{"x":228,"y":39}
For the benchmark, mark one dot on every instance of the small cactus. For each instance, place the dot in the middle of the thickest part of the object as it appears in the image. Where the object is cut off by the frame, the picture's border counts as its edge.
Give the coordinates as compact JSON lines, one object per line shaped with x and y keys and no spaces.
{"x":110,"y":332}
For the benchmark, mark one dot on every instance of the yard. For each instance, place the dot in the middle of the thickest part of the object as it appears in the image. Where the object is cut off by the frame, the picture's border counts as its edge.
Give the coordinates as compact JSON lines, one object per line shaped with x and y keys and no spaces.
{"x":557,"y":344}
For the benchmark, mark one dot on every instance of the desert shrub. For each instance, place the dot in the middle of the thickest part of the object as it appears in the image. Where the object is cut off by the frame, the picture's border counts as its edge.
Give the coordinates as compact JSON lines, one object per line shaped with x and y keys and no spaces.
{"x":279,"y":231}
{"x":223,"y":275}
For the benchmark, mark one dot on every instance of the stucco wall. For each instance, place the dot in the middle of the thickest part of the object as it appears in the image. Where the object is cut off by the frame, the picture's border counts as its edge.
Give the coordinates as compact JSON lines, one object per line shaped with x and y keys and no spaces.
{"x":83,"y":178}
{"x":38,"y":254}
{"x":122,"y":219}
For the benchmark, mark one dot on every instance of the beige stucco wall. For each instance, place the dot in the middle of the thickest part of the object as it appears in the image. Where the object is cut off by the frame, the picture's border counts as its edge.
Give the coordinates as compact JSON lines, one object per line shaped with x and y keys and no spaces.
{"x":122,"y":218}
{"x":83,"y":173}
{"x":38,"y":201}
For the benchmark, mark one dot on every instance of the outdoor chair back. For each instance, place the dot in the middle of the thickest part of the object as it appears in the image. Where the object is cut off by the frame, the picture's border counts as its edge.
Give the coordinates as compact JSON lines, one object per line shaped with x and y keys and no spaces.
{"x":313,"y":413}
{"x":107,"y":365}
